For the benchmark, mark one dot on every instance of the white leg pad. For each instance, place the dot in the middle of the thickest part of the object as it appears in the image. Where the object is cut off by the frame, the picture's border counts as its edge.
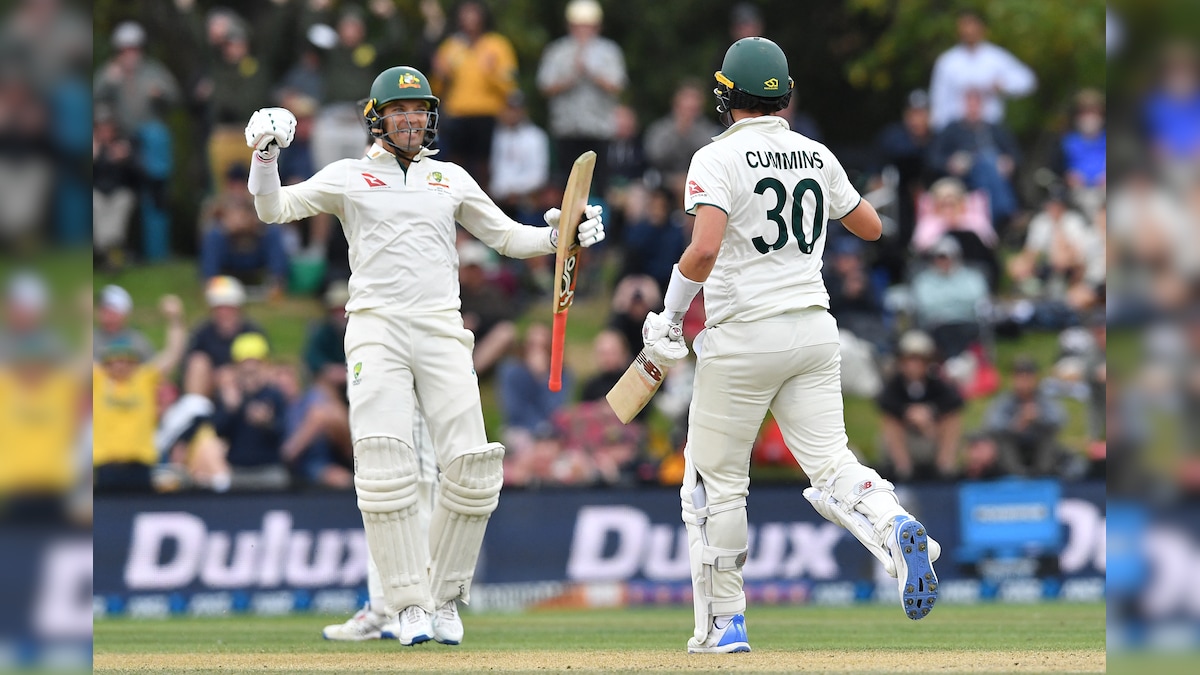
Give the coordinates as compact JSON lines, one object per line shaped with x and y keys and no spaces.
{"x":717,"y":548}
{"x":468,"y":493}
{"x":860,"y":500}
{"x":385,"y":480}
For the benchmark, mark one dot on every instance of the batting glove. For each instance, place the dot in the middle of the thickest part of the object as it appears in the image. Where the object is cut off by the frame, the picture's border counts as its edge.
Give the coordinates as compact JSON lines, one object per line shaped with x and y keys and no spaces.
{"x":270,"y":129}
{"x":591,"y":230}
{"x":663,"y":340}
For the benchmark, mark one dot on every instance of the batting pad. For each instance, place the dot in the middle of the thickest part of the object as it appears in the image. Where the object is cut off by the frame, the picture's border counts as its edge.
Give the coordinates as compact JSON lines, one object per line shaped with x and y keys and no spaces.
{"x":717,"y":548}
{"x":860,"y":500}
{"x":468,"y":492}
{"x":385,"y":479}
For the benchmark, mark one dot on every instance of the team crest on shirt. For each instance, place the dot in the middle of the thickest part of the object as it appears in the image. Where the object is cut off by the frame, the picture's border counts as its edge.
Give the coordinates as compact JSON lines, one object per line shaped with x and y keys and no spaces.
{"x":358,"y":372}
{"x":438,"y":182}
{"x":694,"y":188}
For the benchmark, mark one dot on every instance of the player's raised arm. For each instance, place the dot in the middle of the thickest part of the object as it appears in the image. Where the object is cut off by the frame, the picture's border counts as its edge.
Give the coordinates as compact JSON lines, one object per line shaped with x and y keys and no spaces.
{"x":482,"y":218}
{"x":269,"y":130}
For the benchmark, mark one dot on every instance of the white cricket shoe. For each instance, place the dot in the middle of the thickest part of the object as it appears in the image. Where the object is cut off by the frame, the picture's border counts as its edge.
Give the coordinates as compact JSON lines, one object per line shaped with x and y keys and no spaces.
{"x":411,"y":627}
{"x":364,"y":625}
{"x":913,"y":555}
{"x":447,"y":625}
{"x":727,"y":640}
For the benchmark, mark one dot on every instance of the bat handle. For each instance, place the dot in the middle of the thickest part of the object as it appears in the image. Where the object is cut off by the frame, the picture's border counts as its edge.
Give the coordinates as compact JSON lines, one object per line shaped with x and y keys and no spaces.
{"x":557,"y":345}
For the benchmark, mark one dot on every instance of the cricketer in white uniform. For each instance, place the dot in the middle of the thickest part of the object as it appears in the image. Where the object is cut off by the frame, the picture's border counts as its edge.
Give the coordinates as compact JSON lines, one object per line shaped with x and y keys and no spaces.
{"x":398,"y":207}
{"x":762,"y":196}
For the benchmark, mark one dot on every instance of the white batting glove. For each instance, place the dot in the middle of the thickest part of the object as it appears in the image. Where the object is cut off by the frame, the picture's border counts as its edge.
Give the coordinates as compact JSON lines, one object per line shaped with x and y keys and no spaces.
{"x":591,"y":230}
{"x":270,"y":129}
{"x":663,"y":340}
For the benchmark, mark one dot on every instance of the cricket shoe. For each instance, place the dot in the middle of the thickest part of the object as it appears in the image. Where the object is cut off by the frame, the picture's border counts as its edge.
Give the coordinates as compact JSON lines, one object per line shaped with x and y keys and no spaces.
{"x":727,"y":640}
{"x":911,"y":552}
{"x":447,"y":625}
{"x":364,"y":625}
{"x":411,"y":627}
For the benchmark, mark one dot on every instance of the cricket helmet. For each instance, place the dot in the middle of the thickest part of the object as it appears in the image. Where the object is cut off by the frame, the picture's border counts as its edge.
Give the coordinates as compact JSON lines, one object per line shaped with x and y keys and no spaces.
{"x":754,"y":73}
{"x":400,"y":83}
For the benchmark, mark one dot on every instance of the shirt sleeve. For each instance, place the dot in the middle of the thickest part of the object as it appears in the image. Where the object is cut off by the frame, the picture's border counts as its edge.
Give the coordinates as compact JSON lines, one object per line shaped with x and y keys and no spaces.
{"x":890,"y":402}
{"x":843,"y":198}
{"x":940,"y":93}
{"x":1016,"y":78}
{"x":553,"y":69}
{"x":707,"y":183}
{"x":323,"y":193}
{"x":482,"y":218}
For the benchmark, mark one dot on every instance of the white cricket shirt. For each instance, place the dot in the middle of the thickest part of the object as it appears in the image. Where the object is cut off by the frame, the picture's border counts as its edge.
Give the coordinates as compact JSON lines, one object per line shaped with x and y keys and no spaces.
{"x":400,"y":225}
{"x":778,"y":188}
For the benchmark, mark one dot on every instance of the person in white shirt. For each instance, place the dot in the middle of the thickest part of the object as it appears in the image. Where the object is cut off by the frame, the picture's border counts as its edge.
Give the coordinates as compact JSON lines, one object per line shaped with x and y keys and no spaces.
{"x":405,"y":339}
{"x":520,"y":157}
{"x":975,"y":64}
{"x":762,"y":196}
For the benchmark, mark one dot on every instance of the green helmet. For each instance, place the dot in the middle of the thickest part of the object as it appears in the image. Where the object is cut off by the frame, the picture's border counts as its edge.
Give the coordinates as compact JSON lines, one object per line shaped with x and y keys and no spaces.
{"x":754,"y":73}
{"x":400,"y":83}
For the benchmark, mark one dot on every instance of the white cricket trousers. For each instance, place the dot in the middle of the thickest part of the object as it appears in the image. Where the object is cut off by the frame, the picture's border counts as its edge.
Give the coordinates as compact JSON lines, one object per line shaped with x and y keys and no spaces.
{"x":389,"y":355}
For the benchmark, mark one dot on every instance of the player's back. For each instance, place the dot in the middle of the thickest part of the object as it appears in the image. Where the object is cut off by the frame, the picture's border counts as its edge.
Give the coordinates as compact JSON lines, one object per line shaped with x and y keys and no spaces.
{"x":779,"y":189}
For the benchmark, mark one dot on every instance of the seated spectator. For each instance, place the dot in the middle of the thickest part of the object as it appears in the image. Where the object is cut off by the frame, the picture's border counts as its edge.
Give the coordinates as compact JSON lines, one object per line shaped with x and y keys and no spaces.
{"x":981,"y":458}
{"x":949,"y":210}
{"x":318,"y":423}
{"x":1026,"y":422}
{"x":544,"y":462}
{"x":946,"y":298}
{"x":1056,"y":250}
{"x":982,"y":154}
{"x":114,"y":189}
{"x":1083,"y":159}
{"x":655,"y":239}
{"x":922,"y":416}
{"x":852,"y":300}
{"x":240,"y":245}
{"x":486,"y":310}
{"x":241,"y":448}
{"x":112,"y":324}
{"x":626,"y":160}
{"x":124,"y":405}
{"x":525,"y":401}
{"x":672,"y":140}
{"x":611,"y":357}
{"x":1171,"y":110}
{"x":520,"y":161}
{"x":591,"y":429}
{"x":905,"y":146}
{"x":209,"y":347}
{"x":633,"y":298}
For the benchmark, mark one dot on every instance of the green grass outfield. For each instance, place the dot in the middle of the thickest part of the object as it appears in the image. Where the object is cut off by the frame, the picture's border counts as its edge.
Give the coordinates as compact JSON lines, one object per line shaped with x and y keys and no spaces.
{"x":955,"y":638}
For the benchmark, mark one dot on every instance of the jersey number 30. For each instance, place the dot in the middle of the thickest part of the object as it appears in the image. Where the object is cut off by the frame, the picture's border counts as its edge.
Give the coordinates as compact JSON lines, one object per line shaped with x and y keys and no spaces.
{"x":775,"y":214}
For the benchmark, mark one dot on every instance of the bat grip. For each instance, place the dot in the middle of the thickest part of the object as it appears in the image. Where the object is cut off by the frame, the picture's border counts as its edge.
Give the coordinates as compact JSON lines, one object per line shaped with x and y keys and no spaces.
{"x":557,"y":345}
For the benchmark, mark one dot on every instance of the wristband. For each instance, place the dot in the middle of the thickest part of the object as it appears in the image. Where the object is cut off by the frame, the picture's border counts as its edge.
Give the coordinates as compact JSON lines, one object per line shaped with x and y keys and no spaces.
{"x":680,"y":293}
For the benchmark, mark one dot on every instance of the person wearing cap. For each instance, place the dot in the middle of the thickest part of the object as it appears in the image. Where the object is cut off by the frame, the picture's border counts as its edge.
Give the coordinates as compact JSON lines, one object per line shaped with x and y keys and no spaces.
{"x":976,"y":64}
{"x":241,"y":85}
{"x":904,"y":146}
{"x":1082,"y":159}
{"x":115,"y":177}
{"x":520,"y":160}
{"x":240,"y":449}
{"x":947,"y":296}
{"x":955,"y":213}
{"x":1026,"y":422}
{"x":112,"y":324}
{"x":26,"y":302}
{"x":125,"y":400}
{"x":921,"y":415}
{"x":209,"y":346}
{"x":1055,"y":253}
{"x":582,"y":75}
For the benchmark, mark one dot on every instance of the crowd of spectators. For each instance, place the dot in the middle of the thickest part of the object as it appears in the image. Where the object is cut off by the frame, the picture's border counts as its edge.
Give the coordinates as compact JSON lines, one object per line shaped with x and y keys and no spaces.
{"x":964,"y":258}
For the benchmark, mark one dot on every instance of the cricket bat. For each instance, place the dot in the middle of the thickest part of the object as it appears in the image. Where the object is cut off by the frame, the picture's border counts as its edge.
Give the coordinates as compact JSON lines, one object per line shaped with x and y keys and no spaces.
{"x":636,"y":387}
{"x":566,"y":264}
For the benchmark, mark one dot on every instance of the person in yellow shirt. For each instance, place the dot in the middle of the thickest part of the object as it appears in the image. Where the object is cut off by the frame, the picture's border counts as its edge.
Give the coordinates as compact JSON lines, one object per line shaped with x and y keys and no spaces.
{"x":474,"y":71}
{"x":124,"y":406}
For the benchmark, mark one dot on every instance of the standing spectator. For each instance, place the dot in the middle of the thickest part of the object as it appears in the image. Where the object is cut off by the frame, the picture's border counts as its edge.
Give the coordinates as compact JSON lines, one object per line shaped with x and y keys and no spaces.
{"x":672,"y":140}
{"x":241,"y":84}
{"x":112,"y":324}
{"x":239,"y":245}
{"x":527,"y":404}
{"x":114,"y":189}
{"x":26,"y":170}
{"x":953,"y":214}
{"x":976,"y":64}
{"x":983,"y":154}
{"x":610,"y":355}
{"x":904,"y":145}
{"x":1026,"y":422}
{"x":922,"y":415}
{"x":582,"y":75}
{"x":654,"y":241}
{"x":626,"y":169}
{"x":1055,"y":254}
{"x":124,"y":404}
{"x":141,"y":92}
{"x":520,"y":161}
{"x":1083,"y":162}
{"x":242,"y":450}
{"x":474,"y":71}
{"x":209,"y":346}
{"x":946,"y":299}
{"x":1171,"y":113}
{"x":486,"y":310}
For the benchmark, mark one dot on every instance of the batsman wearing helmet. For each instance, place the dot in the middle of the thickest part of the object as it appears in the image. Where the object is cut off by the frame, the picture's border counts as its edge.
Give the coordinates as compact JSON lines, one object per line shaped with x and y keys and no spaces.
{"x":762,"y":196}
{"x":398,"y":206}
